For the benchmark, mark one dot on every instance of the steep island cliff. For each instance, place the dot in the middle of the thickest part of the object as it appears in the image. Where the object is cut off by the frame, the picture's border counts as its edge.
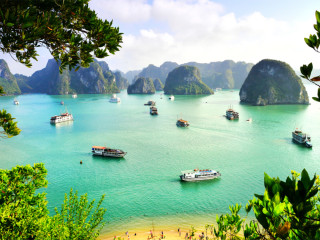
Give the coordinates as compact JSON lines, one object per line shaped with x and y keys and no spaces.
{"x":273,"y":82}
{"x":186,"y":80}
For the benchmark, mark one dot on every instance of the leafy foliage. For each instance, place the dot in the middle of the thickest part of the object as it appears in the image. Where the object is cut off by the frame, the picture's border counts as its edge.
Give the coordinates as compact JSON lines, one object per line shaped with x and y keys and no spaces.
{"x":69,"y":29}
{"x":313,"y":42}
{"x":287,"y":210}
{"x":24,"y":213}
{"x":10,"y":128}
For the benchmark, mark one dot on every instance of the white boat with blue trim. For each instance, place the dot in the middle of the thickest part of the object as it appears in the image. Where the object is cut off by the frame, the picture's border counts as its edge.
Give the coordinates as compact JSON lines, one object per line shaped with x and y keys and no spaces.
{"x":199,"y":175}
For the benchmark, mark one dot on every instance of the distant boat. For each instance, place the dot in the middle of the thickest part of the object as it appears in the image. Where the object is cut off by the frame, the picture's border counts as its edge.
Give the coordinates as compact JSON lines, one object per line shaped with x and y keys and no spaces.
{"x":171,"y":98}
{"x":153,"y":110}
{"x":62,"y":102}
{"x":74,"y":95}
{"x":218,"y":89}
{"x":199,"y":175}
{"x":182,"y":123}
{"x":249,"y":120}
{"x":299,"y":137}
{"x":150,"y":103}
{"x":107,"y":152}
{"x":114,"y":99}
{"x":15,"y":102}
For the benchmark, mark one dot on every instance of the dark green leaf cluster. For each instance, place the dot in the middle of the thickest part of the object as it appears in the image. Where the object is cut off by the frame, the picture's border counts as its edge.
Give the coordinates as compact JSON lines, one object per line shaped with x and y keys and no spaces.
{"x":24,"y":213}
{"x":287,"y":210}
{"x":68,"y":28}
{"x":313,"y":42}
{"x":10,"y":128}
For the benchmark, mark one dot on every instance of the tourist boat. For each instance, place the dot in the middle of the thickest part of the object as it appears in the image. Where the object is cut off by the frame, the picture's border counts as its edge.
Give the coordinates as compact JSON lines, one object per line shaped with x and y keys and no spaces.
{"x":15,"y":102}
{"x":114,"y":99}
{"x":231,"y":114}
{"x":218,"y":89}
{"x":107,"y":152}
{"x":150,"y":103}
{"x":249,"y":120}
{"x":64,"y":117}
{"x":182,"y":123}
{"x":74,"y":95}
{"x":153,"y":110}
{"x":62,"y":103}
{"x":199,"y":175}
{"x":299,"y":137}
{"x":171,"y":97}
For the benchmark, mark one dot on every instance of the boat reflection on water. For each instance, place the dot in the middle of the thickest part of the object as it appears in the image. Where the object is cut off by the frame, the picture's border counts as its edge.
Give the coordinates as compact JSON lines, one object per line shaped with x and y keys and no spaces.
{"x":63,"y":124}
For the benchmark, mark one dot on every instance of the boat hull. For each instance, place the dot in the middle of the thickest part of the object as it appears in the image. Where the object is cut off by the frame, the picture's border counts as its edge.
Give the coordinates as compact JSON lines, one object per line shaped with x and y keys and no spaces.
{"x":118,"y":155}
{"x":198,"y":178}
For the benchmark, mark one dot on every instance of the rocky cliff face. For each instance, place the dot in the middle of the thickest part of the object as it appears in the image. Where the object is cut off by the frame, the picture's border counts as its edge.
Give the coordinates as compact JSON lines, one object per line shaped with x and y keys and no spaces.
{"x":186,"y":80}
{"x":122,"y":83}
{"x":273,"y":82}
{"x":95,"y":79}
{"x":158,"y":72}
{"x":158,"y":84}
{"x":142,"y":86}
{"x":227,"y":74}
{"x":7,"y":80}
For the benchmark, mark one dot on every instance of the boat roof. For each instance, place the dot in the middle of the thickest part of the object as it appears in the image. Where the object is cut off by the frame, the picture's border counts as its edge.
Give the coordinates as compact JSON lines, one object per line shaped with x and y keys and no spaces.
{"x":197,"y":170}
{"x":98,"y":147}
{"x":181,"y":120}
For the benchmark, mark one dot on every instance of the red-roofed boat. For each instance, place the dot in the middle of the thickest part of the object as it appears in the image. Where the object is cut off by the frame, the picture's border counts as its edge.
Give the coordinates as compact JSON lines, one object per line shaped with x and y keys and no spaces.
{"x":107,"y":152}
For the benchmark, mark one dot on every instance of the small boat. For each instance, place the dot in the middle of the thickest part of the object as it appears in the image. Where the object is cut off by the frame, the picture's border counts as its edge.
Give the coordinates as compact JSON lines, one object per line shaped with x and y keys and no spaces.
{"x":218,"y":89}
{"x":199,"y":175}
{"x":150,"y":103}
{"x":249,"y":120}
{"x":107,"y":152}
{"x":153,"y":110}
{"x":15,"y":102}
{"x":64,"y":117}
{"x":74,"y":95}
{"x":114,"y":99}
{"x":62,"y":102}
{"x":231,"y":114}
{"x":302,"y":138}
{"x":182,"y":123}
{"x":171,"y":98}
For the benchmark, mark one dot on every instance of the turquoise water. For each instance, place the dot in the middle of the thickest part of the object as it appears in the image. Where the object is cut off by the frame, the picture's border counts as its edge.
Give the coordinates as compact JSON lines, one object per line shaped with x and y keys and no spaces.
{"x":146,"y":183}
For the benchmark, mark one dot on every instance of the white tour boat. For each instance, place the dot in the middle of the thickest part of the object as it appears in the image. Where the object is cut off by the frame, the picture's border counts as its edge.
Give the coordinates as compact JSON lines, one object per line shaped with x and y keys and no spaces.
{"x":15,"y":102}
{"x":107,"y":152}
{"x":171,"y":98}
{"x":299,"y":137}
{"x":64,"y":117}
{"x":74,"y":95}
{"x":199,"y":175}
{"x":114,"y":99}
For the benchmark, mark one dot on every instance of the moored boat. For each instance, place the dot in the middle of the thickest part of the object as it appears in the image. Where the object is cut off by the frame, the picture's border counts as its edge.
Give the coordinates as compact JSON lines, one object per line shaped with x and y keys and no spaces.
{"x":114,"y":99}
{"x":15,"y":102}
{"x":74,"y":95}
{"x":64,"y":117}
{"x":302,"y":138}
{"x":62,"y":102}
{"x":182,"y":123}
{"x":153,"y":110}
{"x":199,"y":175}
{"x":107,"y":152}
{"x":171,"y":98}
{"x":150,"y":103}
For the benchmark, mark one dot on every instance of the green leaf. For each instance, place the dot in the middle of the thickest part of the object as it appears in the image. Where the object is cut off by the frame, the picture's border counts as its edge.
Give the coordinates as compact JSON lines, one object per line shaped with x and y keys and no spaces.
{"x":268,"y":181}
{"x":305,"y":179}
{"x":318,"y":16}
{"x":278,"y":209}
{"x":10,"y":24}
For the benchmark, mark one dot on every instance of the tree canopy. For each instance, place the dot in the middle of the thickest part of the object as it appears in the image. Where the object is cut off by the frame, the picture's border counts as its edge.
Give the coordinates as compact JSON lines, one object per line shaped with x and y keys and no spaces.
{"x":69,"y":29}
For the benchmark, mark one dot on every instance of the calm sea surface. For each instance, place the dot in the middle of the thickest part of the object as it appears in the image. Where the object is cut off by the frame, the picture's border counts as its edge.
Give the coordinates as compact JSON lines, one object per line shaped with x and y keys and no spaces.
{"x":145,"y":186}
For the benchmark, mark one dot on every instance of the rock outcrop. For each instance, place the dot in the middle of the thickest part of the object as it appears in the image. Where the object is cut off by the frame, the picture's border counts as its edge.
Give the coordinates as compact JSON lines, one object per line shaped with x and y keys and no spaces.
{"x":158,"y":84}
{"x":122,"y":82}
{"x":7,"y":80}
{"x":142,"y":86}
{"x":186,"y":80}
{"x":97,"y":78}
{"x":273,"y":82}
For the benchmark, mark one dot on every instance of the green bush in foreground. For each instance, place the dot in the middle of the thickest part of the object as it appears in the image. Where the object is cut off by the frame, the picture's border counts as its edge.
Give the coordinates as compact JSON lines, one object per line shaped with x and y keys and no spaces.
{"x":24,"y":214}
{"x":287,"y":210}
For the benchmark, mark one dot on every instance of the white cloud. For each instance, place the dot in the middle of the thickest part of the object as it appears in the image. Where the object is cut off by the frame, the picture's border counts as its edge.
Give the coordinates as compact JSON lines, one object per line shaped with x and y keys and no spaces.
{"x":127,"y":11}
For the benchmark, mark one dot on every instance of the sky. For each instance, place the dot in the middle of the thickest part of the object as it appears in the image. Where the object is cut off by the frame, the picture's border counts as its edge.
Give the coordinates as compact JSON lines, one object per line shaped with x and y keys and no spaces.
{"x":155,"y":31}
